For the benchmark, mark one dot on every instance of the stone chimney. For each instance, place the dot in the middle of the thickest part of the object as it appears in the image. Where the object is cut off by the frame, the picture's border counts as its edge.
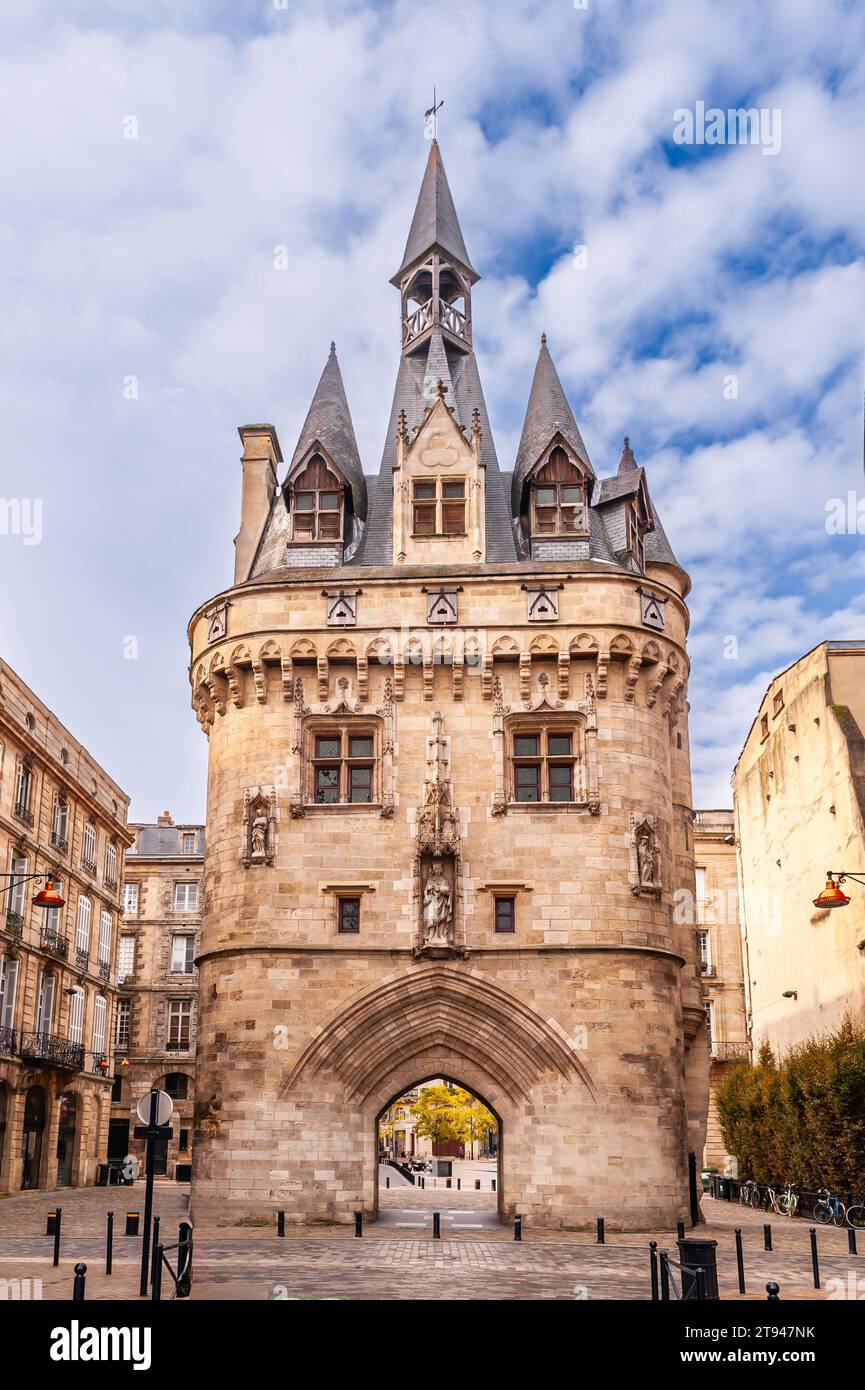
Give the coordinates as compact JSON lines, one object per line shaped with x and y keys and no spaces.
{"x":261,"y":454}
{"x":165,"y":819}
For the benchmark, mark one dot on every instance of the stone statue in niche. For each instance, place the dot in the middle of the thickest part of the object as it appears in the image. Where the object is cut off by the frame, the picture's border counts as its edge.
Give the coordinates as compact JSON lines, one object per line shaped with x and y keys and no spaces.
{"x":259,"y":826}
{"x":645,"y":850}
{"x":438,"y":911}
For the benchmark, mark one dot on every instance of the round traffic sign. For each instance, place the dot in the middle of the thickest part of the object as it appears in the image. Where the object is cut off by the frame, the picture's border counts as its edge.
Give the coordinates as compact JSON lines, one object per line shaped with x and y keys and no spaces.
{"x":164,"y":1108}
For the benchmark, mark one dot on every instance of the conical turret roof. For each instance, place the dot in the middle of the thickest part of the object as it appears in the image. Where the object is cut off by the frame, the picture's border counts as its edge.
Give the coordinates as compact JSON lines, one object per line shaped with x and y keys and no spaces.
{"x":547,"y":413}
{"x":435,"y":221}
{"x":328,"y":422}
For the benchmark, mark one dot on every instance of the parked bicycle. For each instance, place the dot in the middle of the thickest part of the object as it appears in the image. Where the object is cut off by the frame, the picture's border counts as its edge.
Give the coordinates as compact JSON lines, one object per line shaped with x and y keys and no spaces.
{"x":830,"y":1209}
{"x":749,"y":1194}
{"x":789,"y":1201}
{"x":856,"y":1213}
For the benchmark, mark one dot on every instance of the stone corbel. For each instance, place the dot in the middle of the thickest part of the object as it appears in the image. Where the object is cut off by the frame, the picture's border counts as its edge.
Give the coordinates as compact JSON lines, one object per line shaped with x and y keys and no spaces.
{"x":323,"y":670}
{"x":602,"y":672}
{"x":564,"y":672}
{"x":457,"y":671}
{"x":235,"y":684}
{"x":260,"y":681}
{"x":487,"y":676}
{"x":428,"y":675}
{"x":398,"y":676}
{"x":213,"y":691}
{"x":525,"y":677}
{"x":661,"y":672}
{"x":362,"y":679}
{"x":632,"y":675}
{"x":286,"y":666}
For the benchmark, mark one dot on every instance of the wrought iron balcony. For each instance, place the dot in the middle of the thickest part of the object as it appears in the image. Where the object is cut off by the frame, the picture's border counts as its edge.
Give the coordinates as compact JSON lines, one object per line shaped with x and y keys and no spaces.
{"x":104,"y":969}
{"x":177,"y":1046}
{"x":89,"y":867}
{"x":55,"y":943}
{"x":730,"y":1052}
{"x":110,"y":883}
{"x":58,"y":842}
{"x":55,"y":1052}
{"x":81,"y":958}
{"x":22,"y":813}
{"x":14,"y":923}
{"x":8,"y":1041}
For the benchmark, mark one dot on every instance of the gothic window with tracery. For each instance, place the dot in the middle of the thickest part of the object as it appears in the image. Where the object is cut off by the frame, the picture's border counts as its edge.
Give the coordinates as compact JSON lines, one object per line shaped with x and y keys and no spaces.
{"x":343,"y":761}
{"x":546,"y":761}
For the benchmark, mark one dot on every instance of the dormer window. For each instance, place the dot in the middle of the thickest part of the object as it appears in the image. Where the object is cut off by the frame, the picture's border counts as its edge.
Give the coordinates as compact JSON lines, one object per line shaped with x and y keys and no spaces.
{"x":316,"y":504}
{"x":558,"y":498}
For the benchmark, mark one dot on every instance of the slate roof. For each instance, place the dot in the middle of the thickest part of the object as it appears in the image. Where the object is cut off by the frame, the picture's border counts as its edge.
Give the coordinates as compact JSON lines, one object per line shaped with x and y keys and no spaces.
{"x":547,"y":412}
{"x":328,"y":422}
{"x":155,"y":841}
{"x":435,"y":221}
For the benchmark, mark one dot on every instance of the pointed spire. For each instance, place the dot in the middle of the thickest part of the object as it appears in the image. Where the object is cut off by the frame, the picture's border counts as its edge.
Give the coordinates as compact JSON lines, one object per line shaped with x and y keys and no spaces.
{"x":547,"y":413}
{"x":627,"y":463}
{"x":437,"y":373}
{"x":435,"y":221}
{"x":328,"y":423}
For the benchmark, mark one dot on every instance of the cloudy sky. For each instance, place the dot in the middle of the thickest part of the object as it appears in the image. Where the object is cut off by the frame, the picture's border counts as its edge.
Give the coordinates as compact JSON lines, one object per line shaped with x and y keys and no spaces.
{"x":716,"y":315}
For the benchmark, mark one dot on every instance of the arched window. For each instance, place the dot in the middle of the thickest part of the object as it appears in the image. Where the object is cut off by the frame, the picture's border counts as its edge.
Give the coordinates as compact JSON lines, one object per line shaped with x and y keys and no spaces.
{"x":316,"y":504}
{"x":558,"y":498}
{"x":177,"y":1085}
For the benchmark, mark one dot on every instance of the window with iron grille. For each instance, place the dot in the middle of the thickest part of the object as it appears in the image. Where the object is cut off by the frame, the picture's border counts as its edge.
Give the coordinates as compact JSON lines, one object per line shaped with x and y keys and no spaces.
{"x":343,"y":764}
{"x":76,"y":1015}
{"x":60,"y":824}
{"x":110,"y":863}
{"x":88,"y":853}
{"x":547,"y":762}
{"x":23,"y":789}
{"x":105,"y":925}
{"x":97,"y":1043}
{"x":505,"y":910}
{"x":121,"y":1025}
{"x":82,"y":926}
{"x":348,"y":914}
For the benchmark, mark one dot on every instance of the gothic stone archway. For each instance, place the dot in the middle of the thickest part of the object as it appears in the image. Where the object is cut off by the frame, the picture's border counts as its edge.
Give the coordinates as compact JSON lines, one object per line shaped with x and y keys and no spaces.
{"x":439,"y":1021}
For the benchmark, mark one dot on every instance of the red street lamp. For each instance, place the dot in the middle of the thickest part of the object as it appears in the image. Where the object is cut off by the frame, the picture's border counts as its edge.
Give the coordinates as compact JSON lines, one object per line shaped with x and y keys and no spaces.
{"x":832,"y":895}
{"x":47,"y":897}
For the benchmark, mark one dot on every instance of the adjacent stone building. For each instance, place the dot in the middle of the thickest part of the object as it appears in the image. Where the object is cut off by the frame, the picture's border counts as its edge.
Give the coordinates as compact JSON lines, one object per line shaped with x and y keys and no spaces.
{"x":720,"y":954}
{"x":449,"y":798}
{"x":799,"y":797}
{"x":63,"y":817}
{"x":155,"y":1032}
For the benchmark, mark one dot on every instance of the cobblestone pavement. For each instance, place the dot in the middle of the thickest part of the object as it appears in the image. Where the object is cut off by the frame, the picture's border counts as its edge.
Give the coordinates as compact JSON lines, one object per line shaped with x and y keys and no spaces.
{"x":390,"y":1265}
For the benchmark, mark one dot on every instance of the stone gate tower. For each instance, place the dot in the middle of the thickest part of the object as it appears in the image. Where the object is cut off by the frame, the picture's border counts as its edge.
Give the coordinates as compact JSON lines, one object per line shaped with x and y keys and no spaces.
{"x":449,"y":797}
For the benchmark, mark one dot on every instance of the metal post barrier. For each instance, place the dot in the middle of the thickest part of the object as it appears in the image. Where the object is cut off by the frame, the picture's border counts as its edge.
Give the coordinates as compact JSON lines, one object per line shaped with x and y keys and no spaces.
{"x":767,"y":1237}
{"x":494,"y":1184}
{"x":772,"y":1293}
{"x":156,"y":1289}
{"x":698,"y":1253}
{"x":423,"y":1183}
{"x":680,"y":1230}
{"x":447,"y":1182}
{"x":477,"y":1184}
{"x":699,"y":1284}
{"x":184,"y":1259}
{"x":692,"y":1188}
{"x":358,"y":1223}
{"x":653,"y":1269}
{"x":815,"y":1263}
{"x":851,"y":1240}
{"x":109,"y":1242}
{"x":437,"y":1226}
{"x":458,"y":1184}
{"x":157,"y":1257}
{"x":78,"y":1284}
{"x":740,"y":1260}
{"x":601,"y":1240}
{"x":58,"y":1217}
{"x":280,"y":1223}
{"x":518,"y":1228}
{"x":665,"y":1277}
{"x":387,"y":1180}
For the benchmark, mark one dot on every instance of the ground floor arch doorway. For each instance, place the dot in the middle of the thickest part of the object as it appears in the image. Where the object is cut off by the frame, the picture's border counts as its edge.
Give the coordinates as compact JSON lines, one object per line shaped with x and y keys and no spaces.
{"x":33,"y":1131}
{"x":66,"y":1133}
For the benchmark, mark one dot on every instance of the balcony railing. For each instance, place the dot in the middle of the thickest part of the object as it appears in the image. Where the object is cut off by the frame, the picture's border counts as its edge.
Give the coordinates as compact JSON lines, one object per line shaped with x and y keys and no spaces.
{"x":56,"y":1052}
{"x":104,"y":969}
{"x":8,"y":1041}
{"x":53,"y":942}
{"x":58,"y":842}
{"x":14,"y":922}
{"x":89,"y":867}
{"x":110,"y":883}
{"x":22,"y":813}
{"x":177,"y":1046}
{"x":730,"y":1052}
{"x":81,"y":958}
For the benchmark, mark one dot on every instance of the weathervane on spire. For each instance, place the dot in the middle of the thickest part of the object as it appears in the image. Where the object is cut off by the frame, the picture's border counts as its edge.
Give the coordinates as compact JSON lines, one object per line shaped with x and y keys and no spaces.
{"x":430,"y":117}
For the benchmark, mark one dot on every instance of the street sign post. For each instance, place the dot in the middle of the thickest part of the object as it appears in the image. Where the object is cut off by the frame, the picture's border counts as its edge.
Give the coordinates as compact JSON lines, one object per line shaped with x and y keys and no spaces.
{"x":154,"y":1111}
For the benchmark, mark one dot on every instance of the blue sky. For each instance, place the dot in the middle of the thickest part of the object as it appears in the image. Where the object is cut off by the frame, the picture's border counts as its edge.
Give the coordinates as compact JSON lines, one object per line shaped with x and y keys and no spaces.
{"x":261,"y":125}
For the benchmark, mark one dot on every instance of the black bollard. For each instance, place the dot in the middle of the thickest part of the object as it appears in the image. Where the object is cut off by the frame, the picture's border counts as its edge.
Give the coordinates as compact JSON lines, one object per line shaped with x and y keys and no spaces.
{"x":156,"y":1282}
{"x":518,"y":1228}
{"x":851,"y":1240}
{"x":109,"y":1242}
{"x":601,"y":1240}
{"x":280,"y":1223}
{"x":387,"y":1180}
{"x":740,"y":1260}
{"x":665,"y":1277}
{"x":447,"y":1182}
{"x":697,"y":1254}
{"x":423,"y":1183}
{"x":477,"y":1184}
{"x":437,"y":1226}
{"x":458,"y":1184}
{"x":184,"y":1259}
{"x":494,"y":1184}
{"x":78,"y":1284}
{"x":653,"y":1269}
{"x":156,"y":1258}
{"x":772,"y":1292}
{"x":767,"y":1237}
{"x":692,"y":1189}
{"x":58,"y":1217}
{"x":815,"y":1263}
{"x":358,"y":1223}
{"x":680,"y":1230}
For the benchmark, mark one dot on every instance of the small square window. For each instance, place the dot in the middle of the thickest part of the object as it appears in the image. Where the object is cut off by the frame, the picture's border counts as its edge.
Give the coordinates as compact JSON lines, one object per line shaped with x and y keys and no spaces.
{"x":329,"y":502}
{"x":545,"y":496}
{"x":348,"y":914}
{"x":304,"y":502}
{"x":505,"y":914}
{"x":560,"y":783}
{"x":360,"y":784}
{"x":451,"y":490}
{"x":560,"y":745}
{"x":360,"y":747}
{"x":528,"y":783}
{"x":571,"y":494}
{"x":326,"y":785}
{"x":425,"y":492}
{"x":327,"y":747}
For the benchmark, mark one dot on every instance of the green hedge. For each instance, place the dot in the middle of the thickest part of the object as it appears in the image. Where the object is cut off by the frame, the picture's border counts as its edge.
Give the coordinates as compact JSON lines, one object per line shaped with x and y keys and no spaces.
{"x":801,"y":1119}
